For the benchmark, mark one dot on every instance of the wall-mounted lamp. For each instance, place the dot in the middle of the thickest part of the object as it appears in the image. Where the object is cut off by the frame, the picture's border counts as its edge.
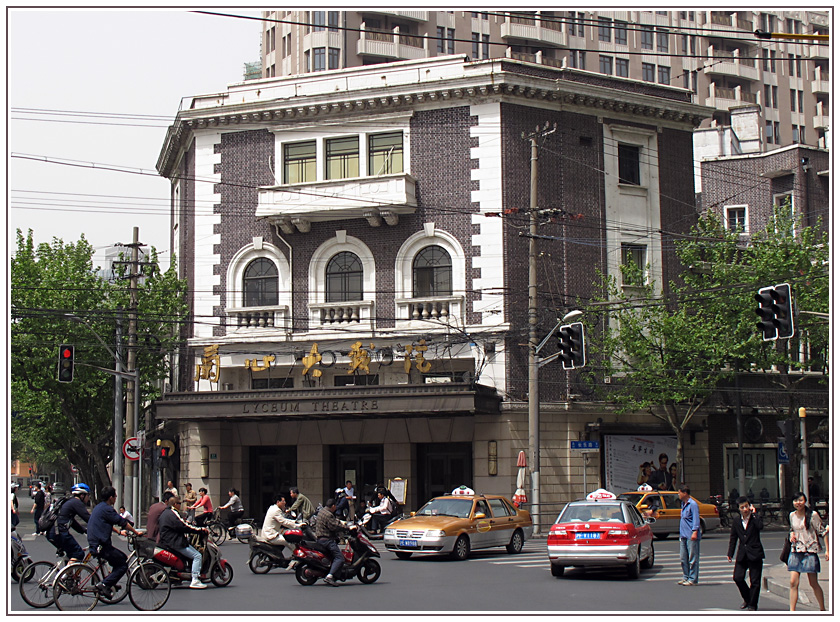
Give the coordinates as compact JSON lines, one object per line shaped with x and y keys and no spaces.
{"x":492,"y":458}
{"x":205,"y":461}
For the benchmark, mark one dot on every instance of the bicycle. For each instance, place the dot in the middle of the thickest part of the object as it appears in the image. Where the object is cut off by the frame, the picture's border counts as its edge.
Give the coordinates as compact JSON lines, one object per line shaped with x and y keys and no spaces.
{"x":217,"y":529}
{"x":36,"y":582}
{"x":74,"y":588}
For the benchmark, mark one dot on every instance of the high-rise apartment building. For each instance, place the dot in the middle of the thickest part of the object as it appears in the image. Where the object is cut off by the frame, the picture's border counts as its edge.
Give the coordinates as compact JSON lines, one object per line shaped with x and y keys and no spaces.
{"x":715,"y":54}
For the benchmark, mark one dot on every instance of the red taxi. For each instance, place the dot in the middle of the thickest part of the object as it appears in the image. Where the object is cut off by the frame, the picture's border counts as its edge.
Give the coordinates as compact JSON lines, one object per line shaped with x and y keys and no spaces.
{"x":601,"y":530}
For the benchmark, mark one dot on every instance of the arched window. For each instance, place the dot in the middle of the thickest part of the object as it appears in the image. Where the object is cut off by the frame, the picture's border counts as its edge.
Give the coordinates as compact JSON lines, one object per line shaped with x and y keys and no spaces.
{"x":432,"y":270}
{"x":344,"y":278}
{"x":260,"y":284}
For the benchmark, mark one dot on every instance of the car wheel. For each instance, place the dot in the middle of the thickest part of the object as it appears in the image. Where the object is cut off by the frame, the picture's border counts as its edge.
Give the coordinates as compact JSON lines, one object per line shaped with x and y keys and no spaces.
{"x":661,"y":536}
{"x":461,"y":551}
{"x":557,"y":570}
{"x":635,"y":569}
{"x":517,"y":540}
{"x":648,"y":563}
{"x":402,"y":555}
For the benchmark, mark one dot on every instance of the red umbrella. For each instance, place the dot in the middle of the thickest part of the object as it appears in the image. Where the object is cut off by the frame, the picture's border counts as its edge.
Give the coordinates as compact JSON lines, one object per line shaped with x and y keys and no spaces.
{"x":519,"y":497}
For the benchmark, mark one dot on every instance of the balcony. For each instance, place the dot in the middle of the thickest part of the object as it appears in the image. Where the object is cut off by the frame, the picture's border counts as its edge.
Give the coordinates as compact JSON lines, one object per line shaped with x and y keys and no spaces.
{"x":724,"y":99}
{"x":815,"y":51}
{"x":730,"y":64}
{"x":299,"y":205}
{"x":732,"y":20}
{"x":440,"y":309}
{"x":255,"y":319}
{"x":390,"y":44}
{"x":341,"y":315}
{"x":821,"y":83}
{"x":532,"y":29}
{"x":822,"y":119}
{"x":417,"y":16}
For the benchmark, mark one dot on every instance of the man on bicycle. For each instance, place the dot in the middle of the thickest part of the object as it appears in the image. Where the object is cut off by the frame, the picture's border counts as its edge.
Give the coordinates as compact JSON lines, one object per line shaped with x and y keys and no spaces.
{"x":59,"y":534}
{"x":173,"y":530}
{"x":104,"y":520}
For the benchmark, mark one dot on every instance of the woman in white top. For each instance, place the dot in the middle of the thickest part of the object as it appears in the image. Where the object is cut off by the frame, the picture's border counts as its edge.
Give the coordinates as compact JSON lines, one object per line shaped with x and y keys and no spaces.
{"x":806,"y":529}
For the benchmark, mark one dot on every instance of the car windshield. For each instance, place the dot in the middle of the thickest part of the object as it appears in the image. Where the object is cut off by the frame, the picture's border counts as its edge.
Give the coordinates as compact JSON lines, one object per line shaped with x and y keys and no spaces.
{"x":446,"y":507}
{"x":597,"y":512}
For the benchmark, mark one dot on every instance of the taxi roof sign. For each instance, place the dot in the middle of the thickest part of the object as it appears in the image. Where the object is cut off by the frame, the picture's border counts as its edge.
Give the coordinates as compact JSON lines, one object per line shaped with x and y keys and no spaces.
{"x":463,"y":490}
{"x":601,"y":495}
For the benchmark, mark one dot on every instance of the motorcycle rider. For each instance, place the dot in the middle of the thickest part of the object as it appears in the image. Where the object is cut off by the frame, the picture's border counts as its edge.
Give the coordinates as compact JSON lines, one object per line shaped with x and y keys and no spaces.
{"x":276,"y":523}
{"x":382,"y":513}
{"x":59,"y":534}
{"x":172,"y":535}
{"x":327,"y":528}
{"x":302,"y":505}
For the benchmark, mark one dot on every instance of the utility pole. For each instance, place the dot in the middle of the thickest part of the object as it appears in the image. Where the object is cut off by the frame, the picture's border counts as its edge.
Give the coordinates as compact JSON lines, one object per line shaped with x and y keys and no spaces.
{"x":119,"y":459}
{"x":533,"y":320}
{"x":803,"y":468}
{"x":132,"y":392}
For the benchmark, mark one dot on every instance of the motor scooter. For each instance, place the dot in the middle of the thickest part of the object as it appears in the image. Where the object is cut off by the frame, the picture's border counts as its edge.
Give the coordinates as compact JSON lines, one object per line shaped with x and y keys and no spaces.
{"x":218,"y":569}
{"x":314,"y":559}
{"x":265,"y":556}
{"x":20,"y":560}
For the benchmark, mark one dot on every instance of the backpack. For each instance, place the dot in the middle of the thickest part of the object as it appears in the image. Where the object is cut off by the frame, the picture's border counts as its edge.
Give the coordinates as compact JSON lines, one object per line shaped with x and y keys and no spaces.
{"x":50,"y":515}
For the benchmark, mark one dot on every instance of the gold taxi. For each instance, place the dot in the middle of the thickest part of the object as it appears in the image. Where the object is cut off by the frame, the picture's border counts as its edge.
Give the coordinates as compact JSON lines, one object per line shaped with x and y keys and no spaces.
{"x":457,"y":524}
{"x":665,"y":507}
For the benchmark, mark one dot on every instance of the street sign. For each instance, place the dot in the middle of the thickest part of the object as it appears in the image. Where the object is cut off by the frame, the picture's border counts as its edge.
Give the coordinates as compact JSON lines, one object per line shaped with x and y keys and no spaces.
{"x":584,"y":444}
{"x":781,"y":456}
{"x":131,"y":448}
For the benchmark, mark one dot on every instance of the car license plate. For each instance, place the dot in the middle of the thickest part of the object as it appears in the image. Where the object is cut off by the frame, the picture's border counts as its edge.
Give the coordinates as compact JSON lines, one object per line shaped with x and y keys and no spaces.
{"x":408,"y":543}
{"x":588,"y":535}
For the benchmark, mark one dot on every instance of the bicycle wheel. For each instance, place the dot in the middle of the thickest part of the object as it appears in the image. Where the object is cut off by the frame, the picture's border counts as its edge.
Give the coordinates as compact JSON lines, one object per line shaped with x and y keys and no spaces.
{"x":119,"y":591}
{"x":149,"y":586}
{"x":217,"y":532}
{"x":36,"y":584}
{"x":74,"y":589}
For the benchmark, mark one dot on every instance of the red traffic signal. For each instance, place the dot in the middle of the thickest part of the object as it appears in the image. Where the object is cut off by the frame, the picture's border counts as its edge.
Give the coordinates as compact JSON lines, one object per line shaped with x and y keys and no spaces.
{"x":66,"y":354}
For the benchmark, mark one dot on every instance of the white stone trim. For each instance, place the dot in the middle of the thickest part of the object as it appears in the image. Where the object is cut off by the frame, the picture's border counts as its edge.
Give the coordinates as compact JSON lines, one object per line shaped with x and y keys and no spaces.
{"x":204,"y":257}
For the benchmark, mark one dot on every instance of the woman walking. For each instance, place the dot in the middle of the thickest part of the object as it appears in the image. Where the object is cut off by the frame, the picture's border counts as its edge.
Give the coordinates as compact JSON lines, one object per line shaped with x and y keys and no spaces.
{"x":806,"y":529}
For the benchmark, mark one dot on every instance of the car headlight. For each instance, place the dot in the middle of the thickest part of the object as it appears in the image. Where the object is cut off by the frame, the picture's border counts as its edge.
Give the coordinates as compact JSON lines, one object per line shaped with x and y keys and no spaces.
{"x":436,"y":533}
{"x":390,"y":532}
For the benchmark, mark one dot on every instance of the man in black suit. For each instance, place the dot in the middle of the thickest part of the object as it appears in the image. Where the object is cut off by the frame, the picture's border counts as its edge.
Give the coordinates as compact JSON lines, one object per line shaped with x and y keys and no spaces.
{"x":747,"y":532}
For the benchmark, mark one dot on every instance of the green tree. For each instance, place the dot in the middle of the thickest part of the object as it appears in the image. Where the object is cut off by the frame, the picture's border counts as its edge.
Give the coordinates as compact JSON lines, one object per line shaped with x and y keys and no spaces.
{"x":52,"y":284}
{"x":671,"y":348}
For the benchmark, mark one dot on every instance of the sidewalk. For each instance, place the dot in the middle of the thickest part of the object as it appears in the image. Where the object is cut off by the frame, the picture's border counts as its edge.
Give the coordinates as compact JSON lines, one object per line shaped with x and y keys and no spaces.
{"x":777,"y":580}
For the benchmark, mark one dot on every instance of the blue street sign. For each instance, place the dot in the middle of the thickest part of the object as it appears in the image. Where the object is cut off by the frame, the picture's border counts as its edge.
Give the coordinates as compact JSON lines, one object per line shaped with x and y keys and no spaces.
{"x":585,"y":444}
{"x":781,"y":456}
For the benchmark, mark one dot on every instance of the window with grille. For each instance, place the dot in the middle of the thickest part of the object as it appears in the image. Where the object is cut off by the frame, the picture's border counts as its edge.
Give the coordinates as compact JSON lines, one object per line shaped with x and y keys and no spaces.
{"x":260,"y":284}
{"x":344,"y":278}
{"x":432,"y":272}
{"x":299,"y":162}
{"x":385,"y":153}
{"x":342,"y":157}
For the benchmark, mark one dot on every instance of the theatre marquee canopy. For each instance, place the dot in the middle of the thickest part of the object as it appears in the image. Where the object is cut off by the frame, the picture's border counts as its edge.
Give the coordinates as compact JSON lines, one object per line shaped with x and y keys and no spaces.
{"x":455,"y":399}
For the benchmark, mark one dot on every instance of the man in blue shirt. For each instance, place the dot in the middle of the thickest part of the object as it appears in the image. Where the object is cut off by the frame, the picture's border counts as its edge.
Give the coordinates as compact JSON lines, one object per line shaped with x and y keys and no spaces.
{"x":104,"y":519}
{"x":689,"y":538}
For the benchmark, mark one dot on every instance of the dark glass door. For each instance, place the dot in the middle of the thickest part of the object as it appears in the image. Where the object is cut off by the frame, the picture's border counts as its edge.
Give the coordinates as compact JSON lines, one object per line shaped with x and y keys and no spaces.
{"x":442,"y":467}
{"x":362,"y":464}
{"x":273,"y":471}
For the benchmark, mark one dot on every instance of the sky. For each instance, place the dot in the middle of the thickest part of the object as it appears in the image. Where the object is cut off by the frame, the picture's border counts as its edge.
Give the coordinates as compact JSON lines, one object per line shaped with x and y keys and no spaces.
{"x":96,"y":89}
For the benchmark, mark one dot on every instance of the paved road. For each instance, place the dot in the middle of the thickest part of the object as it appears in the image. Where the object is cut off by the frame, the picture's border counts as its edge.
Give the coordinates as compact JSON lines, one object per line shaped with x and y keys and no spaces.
{"x":490,"y":581}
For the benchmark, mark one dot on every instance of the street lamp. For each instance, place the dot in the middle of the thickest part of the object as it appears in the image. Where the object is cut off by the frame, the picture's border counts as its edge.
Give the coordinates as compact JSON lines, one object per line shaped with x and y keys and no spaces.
{"x":534,"y":364}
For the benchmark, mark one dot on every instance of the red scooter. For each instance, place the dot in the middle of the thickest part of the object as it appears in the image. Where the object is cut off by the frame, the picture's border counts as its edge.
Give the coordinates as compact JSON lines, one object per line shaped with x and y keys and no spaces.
{"x":314,"y":559}
{"x":219,"y":570}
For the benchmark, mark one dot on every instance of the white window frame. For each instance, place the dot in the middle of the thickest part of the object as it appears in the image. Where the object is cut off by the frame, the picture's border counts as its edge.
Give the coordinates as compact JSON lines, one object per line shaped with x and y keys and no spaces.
{"x":258,"y":249}
{"x":746,"y":209}
{"x":777,"y":202}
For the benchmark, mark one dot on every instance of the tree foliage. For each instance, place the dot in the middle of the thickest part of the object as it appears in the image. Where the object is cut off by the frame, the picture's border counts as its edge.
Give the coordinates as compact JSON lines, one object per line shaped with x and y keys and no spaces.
{"x":53,"y":283}
{"x":671,"y":348}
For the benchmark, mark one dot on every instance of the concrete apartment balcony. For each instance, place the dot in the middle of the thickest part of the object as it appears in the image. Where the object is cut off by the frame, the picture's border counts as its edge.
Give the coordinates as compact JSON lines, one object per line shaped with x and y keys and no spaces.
{"x":815,"y":51}
{"x":730,"y":64}
{"x":390,"y":44}
{"x":533,"y":29}
{"x":732,"y":21}
{"x":822,"y":118}
{"x":254,"y":320}
{"x":415,"y":16}
{"x":724,"y":99}
{"x":427,"y":311}
{"x":376,"y":199}
{"x":820,"y":83}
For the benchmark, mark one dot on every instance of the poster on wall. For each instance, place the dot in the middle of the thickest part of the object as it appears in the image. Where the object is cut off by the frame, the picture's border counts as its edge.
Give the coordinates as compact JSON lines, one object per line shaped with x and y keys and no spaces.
{"x":624,"y":456}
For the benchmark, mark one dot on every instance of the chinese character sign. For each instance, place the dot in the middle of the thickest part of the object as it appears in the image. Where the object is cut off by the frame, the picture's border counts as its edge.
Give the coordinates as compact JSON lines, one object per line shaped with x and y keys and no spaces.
{"x":209,"y":367}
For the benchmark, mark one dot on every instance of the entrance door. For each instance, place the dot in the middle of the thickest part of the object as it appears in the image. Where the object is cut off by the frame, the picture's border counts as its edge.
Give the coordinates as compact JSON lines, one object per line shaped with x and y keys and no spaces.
{"x":273,"y":471}
{"x":364,"y":465}
{"x":443,"y":467}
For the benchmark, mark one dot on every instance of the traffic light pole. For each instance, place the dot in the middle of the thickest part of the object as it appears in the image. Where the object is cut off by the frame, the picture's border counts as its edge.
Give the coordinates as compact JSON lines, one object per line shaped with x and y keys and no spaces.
{"x":119,"y":459}
{"x":130,"y":498}
{"x":533,"y":369}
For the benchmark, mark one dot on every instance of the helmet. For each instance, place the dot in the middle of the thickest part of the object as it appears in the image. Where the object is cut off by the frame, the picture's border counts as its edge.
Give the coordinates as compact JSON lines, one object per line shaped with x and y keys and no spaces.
{"x":80,"y":489}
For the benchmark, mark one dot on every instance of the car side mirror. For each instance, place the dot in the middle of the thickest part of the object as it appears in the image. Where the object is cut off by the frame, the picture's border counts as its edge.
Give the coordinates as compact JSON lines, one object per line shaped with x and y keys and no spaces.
{"x":480,"y":515}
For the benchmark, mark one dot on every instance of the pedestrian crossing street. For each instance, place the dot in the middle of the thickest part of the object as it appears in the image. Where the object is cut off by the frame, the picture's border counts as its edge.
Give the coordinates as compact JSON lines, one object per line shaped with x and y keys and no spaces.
{"x":713,"y":571}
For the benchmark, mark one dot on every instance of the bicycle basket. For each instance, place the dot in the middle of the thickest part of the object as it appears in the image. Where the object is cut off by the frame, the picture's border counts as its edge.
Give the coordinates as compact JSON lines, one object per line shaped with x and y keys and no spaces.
{"x":145,"y":547}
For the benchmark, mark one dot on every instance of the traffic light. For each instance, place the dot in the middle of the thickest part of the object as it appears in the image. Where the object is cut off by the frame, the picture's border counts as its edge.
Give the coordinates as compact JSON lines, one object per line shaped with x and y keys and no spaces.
{"x":65,"y":363}
{"x":775,"y":310}
{"x":572,"y":344}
